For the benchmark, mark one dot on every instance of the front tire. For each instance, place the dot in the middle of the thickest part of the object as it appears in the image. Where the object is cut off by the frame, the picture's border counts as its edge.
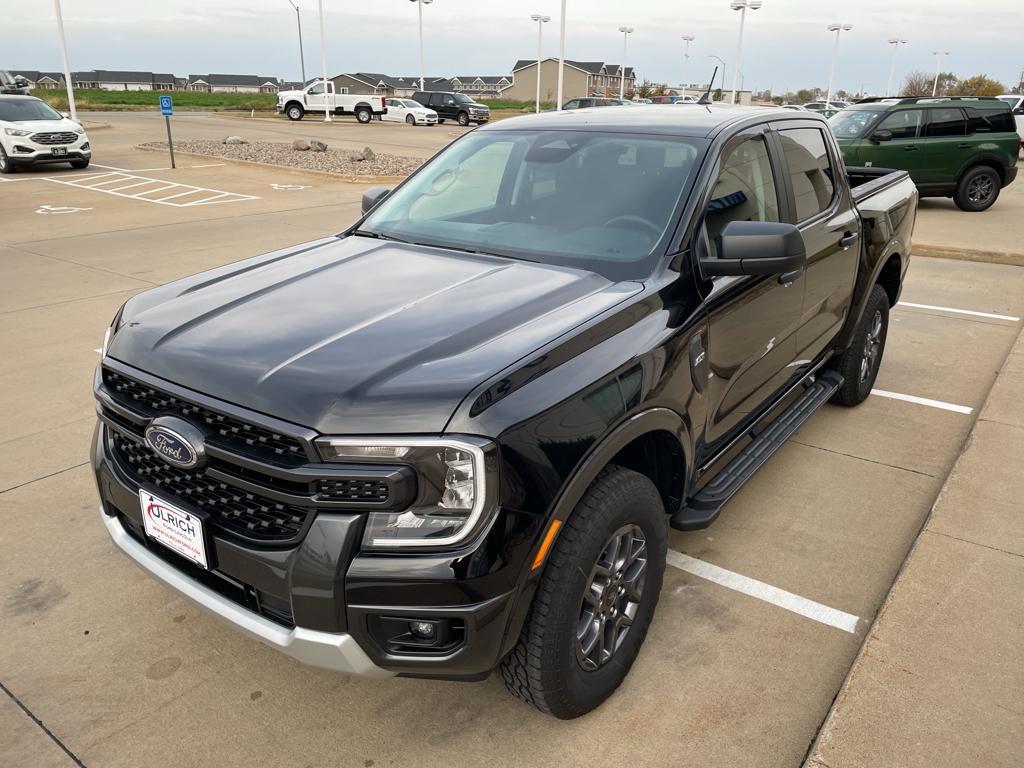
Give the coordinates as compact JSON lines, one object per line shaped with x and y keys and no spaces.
{"x":859,"y":363}
{"x":364,"y":115}
{"x":977,"y":189}
{"x":595,"y":600}
{"x":463,"y":118}
{"x":410,"y":120}
{"x":295,"y":112}
{"x":6,"y":166}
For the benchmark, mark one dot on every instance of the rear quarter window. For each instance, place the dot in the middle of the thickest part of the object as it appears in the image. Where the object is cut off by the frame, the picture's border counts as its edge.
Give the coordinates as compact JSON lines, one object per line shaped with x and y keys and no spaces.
{"x":989,"y":121}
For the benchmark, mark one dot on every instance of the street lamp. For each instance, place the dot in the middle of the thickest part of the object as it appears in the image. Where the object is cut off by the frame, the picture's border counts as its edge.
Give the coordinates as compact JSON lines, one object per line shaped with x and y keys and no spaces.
{"x":938,"y":63}
{"x":687,"y":39}
{"x":626,"y":31}
{"x":720,"y":61}
{"x":895,"y":42}
{"x":741,"y":6}
{"x":419,"y":8}
{"x":541,"y":21}
{"x":561,"y":57}
{"x":323,"y":63}
{"x":302,"y":56}
{"x":64,"y":57}
{"x":837,"y":28}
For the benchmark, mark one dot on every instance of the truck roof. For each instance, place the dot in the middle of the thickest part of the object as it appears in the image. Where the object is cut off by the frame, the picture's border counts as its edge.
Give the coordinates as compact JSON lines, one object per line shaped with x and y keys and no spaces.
{"x":681,"y":119}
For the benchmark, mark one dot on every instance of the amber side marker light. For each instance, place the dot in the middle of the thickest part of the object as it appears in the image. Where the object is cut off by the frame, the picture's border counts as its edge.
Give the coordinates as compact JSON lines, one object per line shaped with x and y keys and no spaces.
{"x":549,"y":539}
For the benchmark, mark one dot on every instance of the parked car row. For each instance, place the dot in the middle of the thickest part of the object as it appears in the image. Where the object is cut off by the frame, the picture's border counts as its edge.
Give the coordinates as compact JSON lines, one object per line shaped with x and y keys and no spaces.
{"x":34,"y":133}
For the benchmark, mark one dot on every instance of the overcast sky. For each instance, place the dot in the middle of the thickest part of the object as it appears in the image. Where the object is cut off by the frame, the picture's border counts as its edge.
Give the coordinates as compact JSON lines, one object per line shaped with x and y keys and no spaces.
{"x":785,"y":45}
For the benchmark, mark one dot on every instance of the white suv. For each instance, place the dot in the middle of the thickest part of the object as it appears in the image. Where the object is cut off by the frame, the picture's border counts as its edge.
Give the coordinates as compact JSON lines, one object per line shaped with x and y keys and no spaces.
{"x":32,"y":133}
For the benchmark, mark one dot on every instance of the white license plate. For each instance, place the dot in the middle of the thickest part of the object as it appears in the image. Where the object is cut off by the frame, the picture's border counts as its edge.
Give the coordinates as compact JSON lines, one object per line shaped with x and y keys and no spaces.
{"x":56,"y":151}
{"x":173,"y":527}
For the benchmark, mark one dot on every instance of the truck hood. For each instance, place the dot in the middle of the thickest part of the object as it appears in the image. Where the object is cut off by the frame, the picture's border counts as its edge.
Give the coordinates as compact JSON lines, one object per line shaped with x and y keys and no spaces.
{"x":355,"y":335}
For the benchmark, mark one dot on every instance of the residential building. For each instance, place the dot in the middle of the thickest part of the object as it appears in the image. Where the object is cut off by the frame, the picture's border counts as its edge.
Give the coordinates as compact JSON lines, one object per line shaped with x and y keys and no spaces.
{"x":114,"y":80}
{"x":37,"y":79}
{"x":581,"y":78}
{"x":374,"y":83}
{"x":233,"y":84}
{"x":484,"y":86}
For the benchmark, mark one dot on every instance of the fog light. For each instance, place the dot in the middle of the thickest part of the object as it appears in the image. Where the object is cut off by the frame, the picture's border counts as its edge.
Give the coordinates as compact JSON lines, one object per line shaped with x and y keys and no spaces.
{"x":423,"y":629}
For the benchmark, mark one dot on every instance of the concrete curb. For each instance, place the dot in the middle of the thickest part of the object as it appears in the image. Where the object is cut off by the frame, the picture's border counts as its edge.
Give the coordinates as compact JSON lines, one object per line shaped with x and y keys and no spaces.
{"x":961,"y":254}
{"x":350,"y":178}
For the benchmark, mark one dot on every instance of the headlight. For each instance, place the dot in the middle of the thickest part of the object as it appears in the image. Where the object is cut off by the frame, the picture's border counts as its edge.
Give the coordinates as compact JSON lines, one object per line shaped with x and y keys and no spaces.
{"x":79,"y":130}
{"x":16,"y":132}
{"x":114,"y":327}
{"x":456,"y":487}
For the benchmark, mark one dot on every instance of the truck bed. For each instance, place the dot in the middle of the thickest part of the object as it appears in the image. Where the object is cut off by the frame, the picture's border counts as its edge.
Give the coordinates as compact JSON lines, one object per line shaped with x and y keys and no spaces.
{"x":866,"y":181}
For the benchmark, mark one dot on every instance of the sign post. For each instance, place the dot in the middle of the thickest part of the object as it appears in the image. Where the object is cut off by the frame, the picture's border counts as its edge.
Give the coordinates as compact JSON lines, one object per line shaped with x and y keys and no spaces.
{"x":167,"y":109}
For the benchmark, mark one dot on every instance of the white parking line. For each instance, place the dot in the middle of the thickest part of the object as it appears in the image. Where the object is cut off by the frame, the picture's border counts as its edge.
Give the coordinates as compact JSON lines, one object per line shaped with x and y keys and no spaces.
{"x":100,"y":182}
{"x":923,"y":401}
{"x":971,"y":312}
{"x":766,"y":592}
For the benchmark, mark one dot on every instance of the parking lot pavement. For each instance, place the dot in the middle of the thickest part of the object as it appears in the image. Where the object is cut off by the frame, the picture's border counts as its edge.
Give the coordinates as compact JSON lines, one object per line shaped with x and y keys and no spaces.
{"x":760,"y":618}
{"x":943,"y":229}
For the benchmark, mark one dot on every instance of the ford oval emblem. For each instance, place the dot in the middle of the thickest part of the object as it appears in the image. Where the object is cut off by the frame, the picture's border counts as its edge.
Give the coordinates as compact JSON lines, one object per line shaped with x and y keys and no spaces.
{"x":176,"y":441}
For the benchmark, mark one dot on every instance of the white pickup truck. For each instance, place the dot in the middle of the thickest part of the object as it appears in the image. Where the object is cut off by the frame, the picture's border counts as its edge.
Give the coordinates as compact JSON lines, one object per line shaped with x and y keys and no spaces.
{"x":295,"y":104}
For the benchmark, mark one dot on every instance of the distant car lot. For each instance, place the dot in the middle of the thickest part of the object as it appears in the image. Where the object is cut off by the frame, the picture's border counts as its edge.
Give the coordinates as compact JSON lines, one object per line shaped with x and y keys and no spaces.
{"x":735,"y":670}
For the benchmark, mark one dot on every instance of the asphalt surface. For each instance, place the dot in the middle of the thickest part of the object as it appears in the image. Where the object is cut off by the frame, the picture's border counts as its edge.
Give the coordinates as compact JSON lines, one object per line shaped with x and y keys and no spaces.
{"x":760,"y":618}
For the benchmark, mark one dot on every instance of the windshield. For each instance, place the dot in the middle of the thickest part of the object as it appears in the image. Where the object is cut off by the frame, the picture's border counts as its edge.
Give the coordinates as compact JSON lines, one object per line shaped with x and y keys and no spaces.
{"x":16,"y":110}
{"x":597,"y":201}
{"x":463,"y":98}
{"x":851,"y":123}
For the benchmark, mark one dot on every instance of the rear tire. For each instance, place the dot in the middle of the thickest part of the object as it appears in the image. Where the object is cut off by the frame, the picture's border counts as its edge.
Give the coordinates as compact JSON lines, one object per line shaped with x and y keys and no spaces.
{"x":551,"y":666}
{"x":6,"y":166}
{"x":295,"y":112}
{"x":80,"y":164}
{"x":977,"y":189}
{"x":859,"y":363}
{"x":363,"y":115}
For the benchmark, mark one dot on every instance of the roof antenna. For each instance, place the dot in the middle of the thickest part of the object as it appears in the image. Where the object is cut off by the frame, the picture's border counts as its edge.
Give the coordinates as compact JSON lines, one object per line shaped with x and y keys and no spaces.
{"x":706,"y":98}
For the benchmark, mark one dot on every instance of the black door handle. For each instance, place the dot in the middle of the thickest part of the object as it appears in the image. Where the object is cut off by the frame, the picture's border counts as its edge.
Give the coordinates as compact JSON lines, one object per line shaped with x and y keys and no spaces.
{"x":847,"y":239}
{"x":965,"y":145}
{"x":909,"y":148}
{"x":787,"y":278}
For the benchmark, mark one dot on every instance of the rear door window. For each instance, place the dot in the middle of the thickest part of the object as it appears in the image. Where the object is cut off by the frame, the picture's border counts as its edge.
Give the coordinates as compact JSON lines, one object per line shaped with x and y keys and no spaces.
{"x":904,"y":124}
{"x":945,"y":121}
{"x":810,"y":170}
{"x":436,"y":99}
{"x":989,"y":121}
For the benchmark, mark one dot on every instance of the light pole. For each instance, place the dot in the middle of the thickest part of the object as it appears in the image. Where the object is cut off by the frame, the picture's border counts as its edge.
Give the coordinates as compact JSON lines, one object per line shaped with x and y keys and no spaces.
{"x":741,"y":6}
{"x":938,"y":63}
{"x":541,"y":21}
{"x":419,"y":7}
{"x":895,"y":42}
{"x":302,"y":56}
{"x":323,"y":63}
{"x":687,"y":39}
{"x":561,"y":57}
{"x":626,"y":31}
{"x":837,"y":28}
{"x":64,"y":57}
{"x":720,"y":61}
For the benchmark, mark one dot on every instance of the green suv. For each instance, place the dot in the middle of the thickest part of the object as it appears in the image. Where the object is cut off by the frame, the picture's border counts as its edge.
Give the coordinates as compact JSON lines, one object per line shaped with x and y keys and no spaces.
{"x":959,"y":147}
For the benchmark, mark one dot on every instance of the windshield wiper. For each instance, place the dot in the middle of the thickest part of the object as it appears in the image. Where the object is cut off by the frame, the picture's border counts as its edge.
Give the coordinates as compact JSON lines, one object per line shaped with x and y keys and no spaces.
{"x":379,"y":236}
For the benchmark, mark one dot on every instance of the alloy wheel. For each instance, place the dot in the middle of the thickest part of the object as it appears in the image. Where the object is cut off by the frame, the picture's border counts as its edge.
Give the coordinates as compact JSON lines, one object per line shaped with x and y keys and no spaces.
{"x":872,"y":347}
{"x":980,"y":189}
{"x":612,"y":597}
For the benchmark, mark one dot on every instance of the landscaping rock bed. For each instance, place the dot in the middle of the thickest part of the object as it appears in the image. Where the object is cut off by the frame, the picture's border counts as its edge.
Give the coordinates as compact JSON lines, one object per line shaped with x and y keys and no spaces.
{"x":365,"y":162}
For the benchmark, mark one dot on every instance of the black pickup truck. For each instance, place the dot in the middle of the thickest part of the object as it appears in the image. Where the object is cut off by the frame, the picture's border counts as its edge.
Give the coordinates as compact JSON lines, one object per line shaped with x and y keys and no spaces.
{"x":453,"y":437}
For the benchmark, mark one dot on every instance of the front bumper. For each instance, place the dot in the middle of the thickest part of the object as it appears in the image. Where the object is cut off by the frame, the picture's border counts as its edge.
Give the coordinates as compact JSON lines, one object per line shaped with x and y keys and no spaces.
{"x":26,"y":152}
{"x":336,"y":651}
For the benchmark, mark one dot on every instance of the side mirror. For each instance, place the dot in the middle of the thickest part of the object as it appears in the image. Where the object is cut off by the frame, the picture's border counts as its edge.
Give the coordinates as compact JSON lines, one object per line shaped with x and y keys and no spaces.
{"x":757,"y":248}
{"x":882,"y":135}
{"x":372,"y":196}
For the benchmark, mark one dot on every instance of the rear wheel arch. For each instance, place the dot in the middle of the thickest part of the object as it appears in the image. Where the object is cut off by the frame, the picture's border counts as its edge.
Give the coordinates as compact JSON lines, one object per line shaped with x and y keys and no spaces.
{"x":889,"y":278}
{"x":989,"y":161}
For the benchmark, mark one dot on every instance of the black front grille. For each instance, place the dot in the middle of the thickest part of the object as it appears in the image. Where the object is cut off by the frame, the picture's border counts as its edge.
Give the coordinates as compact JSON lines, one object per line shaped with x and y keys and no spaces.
{"x":231,"y":509}
{"x":55,"y":137}
{"x":355,"y":489}
{"x":224,"y":431}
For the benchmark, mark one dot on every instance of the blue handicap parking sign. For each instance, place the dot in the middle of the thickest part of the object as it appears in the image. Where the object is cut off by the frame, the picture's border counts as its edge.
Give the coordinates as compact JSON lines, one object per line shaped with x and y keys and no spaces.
{"x":166,"y":108}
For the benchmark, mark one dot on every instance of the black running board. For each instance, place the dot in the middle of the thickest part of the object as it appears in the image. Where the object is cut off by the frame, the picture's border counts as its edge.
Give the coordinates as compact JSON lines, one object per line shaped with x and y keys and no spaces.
{"x":702,"y":509}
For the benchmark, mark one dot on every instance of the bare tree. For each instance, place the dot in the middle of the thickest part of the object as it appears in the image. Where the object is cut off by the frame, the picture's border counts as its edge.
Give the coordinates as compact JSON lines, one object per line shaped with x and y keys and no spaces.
{"x":917,"y":83}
